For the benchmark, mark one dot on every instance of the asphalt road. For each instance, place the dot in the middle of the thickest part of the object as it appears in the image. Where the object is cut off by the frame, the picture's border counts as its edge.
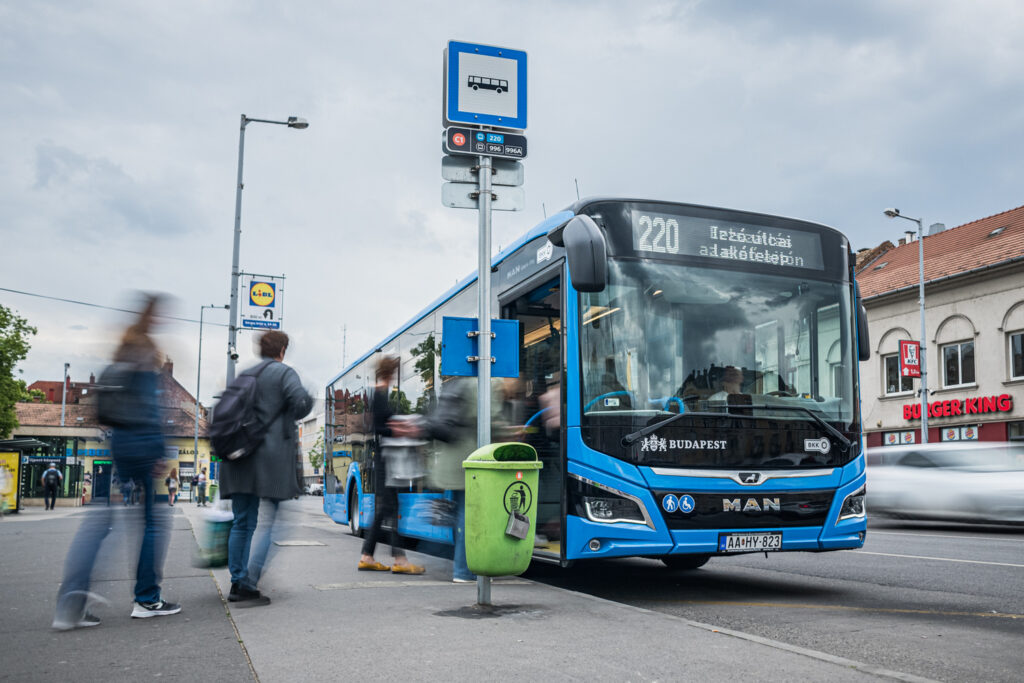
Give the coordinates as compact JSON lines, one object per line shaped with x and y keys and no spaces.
{"x":942,"y":602}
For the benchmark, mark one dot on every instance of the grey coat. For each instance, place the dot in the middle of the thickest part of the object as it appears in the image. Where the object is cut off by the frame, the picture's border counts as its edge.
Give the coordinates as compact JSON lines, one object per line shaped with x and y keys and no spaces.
{"x":271,"y":471}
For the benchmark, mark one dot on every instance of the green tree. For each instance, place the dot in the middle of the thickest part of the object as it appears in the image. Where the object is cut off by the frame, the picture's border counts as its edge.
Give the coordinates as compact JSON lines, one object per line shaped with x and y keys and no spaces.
{"x":30,"y":395}
{"x":316,"y":452}
{"x":426,"y":355}
{"x":14,"y":346}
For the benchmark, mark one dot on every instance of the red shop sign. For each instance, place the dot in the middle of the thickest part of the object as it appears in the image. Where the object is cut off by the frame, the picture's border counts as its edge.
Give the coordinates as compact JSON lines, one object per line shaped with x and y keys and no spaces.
{"x":969,"y":406}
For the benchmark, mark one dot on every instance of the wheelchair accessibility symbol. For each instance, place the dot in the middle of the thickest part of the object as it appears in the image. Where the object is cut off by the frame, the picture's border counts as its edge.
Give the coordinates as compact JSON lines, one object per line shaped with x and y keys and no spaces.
{"x":687,"y":504}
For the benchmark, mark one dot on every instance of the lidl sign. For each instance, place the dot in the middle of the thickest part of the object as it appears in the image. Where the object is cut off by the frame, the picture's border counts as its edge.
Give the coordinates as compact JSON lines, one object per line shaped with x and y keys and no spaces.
{"x":262,"y":302}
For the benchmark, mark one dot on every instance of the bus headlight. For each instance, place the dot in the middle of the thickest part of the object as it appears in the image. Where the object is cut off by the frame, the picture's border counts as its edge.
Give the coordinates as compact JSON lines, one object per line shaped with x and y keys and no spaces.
{"x":600,"y":503}
{"x":854,"y":505}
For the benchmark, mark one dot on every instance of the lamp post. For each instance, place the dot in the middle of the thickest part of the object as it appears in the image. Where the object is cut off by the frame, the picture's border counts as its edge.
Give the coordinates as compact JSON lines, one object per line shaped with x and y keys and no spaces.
{"x":199,"y":371}
{"x":292,"y":122}
{"x":895,"y":213}
{"x":63,"y":405}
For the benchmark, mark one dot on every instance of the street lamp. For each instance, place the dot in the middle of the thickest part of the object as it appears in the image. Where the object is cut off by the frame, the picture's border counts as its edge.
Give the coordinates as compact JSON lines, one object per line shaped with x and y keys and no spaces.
{"x":895,"y":213}
{"x":199,"y":370}
{"x":292,"y":122}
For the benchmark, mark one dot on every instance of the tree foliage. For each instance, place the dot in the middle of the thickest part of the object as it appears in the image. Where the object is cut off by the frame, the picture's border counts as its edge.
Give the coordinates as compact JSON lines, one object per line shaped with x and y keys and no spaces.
{"x":316,"y":452}
{"x":14,"y":345}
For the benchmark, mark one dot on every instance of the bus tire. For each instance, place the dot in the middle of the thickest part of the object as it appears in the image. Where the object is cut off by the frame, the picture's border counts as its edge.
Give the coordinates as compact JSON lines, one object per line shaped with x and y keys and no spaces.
{"x":685,"y":561}
{"x":353,"y":515}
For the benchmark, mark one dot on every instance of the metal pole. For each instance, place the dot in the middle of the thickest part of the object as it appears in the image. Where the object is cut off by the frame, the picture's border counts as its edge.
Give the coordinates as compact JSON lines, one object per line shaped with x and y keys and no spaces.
{"x":924,"y":356}
{"x":233,"y":314}
{"x":483,"y":405}
{"x":64,"y":395}
{"x":63,"y":404}
{"x":199,"y":370}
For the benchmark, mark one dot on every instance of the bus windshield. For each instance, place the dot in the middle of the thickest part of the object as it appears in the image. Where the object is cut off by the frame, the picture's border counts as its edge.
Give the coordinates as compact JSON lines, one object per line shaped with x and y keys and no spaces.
{"x":664,"y":338}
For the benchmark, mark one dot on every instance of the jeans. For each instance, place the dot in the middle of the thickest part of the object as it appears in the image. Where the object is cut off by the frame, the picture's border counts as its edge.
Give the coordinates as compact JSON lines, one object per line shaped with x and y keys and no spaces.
{"x":50,"y":496}
{"x":249,"y":551}
{"x":385,"y":506}
{"x":81,"y":558}
{"x":460,"y":570}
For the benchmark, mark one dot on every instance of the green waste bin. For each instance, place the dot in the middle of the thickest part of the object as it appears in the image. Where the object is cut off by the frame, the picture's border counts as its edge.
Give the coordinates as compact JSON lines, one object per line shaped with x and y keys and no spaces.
{"x":501,"y":508}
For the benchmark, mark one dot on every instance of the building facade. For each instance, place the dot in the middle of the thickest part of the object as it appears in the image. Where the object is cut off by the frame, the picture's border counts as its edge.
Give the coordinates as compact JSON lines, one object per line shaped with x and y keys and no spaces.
{"x":81,"y":446}
{"x":974,"y":341}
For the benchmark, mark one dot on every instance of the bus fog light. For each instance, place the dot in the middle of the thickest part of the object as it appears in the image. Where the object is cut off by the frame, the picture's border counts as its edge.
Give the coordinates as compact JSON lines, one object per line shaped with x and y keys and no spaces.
{"x":854,"y":506}
{"x":594,"y":544}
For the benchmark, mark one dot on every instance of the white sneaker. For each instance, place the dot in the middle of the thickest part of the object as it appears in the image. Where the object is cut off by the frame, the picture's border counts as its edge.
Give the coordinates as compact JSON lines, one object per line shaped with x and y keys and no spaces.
{"x":86,"y":620}
{"x":160,"y":608}
{"x":458,"y":580}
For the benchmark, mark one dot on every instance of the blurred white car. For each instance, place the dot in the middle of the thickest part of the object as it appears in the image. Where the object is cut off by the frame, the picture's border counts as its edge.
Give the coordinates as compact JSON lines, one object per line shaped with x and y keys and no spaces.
{"x":963,"y":482}
{"x":315,"y":489}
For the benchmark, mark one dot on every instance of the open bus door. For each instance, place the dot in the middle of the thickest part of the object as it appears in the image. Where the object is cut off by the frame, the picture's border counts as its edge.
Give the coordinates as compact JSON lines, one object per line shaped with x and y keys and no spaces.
{"x":531,"y":405}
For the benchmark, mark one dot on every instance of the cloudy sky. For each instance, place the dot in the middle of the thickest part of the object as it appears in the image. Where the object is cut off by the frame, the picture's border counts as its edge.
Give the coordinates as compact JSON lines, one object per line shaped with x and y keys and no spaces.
{"x":119,"y":144}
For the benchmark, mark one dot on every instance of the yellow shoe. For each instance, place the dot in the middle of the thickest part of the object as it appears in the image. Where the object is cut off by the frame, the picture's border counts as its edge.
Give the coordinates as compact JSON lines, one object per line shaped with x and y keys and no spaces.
{"x":407,"y":569}
{"x":373,"y":567}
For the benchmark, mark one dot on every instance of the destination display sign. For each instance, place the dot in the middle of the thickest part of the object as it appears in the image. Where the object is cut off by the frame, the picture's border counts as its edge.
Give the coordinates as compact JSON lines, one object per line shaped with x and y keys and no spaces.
{"x":730,"y":241}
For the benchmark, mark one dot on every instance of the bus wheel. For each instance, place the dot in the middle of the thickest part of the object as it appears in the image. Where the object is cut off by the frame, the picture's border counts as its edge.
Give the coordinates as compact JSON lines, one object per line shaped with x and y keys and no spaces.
{"x":497,"y":90}
{"x":685,"y":561}
{"x":353,"y":515}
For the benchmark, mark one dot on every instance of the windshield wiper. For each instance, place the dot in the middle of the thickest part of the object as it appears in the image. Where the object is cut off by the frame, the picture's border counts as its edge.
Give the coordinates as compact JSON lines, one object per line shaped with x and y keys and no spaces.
{"x":835,"y":433}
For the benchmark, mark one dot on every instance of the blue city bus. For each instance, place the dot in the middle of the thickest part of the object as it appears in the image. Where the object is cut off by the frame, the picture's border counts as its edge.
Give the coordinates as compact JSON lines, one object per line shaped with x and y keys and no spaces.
{"x":688,"y":376}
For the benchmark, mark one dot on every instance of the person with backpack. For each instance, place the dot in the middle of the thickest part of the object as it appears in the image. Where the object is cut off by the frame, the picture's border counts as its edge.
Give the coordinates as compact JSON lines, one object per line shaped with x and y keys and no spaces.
{"x":138,"y":448}
{"x":254,"y":432}
{"x":51,"y":480}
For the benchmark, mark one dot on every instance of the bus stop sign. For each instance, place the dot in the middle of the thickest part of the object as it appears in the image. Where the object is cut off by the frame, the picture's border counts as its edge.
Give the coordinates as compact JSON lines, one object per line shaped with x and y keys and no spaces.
{"x":485,"y":85}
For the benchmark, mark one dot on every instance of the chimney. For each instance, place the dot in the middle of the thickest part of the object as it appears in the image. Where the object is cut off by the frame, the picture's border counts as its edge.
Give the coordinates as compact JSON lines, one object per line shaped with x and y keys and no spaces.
{"x":92,"y":378}
{"x":899,"y":242}
{"x":910,"y":236}
{"x":169,"y":367}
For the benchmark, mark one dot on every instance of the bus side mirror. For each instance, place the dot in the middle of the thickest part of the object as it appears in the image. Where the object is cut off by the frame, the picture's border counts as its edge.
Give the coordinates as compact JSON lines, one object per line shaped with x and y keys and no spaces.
{"x":863,"y":340}
{"x":586,"y":252}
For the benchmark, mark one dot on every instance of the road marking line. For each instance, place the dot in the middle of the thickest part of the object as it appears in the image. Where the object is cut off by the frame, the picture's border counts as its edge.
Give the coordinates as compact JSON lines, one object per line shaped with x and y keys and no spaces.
{"x":969,"y":538}
{"x":847,"y":608}
{"x":939,"y":559}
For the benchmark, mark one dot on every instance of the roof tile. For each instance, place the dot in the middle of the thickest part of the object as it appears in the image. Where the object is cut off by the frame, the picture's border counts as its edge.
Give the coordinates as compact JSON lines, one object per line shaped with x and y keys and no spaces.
{"x":951,"y":252}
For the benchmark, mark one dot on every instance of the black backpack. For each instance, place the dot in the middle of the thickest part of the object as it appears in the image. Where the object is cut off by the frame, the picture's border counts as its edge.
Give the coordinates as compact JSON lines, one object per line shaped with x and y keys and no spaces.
{"x":235,"y":431}
{"x":52,"y":478}
{"x":115,"y":403}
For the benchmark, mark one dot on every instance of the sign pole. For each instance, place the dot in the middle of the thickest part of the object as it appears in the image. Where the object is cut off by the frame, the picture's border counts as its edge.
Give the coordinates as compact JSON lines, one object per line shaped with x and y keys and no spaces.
{"x":483,"y":403}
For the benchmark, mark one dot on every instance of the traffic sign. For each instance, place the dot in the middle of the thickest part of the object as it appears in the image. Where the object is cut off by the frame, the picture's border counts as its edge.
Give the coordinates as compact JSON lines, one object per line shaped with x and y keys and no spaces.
{"x":466,"y":196}
{"x":463,"y":169}
{"x":486,"y":143}
{"x":485,"y":85}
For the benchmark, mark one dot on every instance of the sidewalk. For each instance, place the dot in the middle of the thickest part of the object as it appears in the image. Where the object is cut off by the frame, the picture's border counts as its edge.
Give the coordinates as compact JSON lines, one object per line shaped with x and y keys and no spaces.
{"x":330,"y":622}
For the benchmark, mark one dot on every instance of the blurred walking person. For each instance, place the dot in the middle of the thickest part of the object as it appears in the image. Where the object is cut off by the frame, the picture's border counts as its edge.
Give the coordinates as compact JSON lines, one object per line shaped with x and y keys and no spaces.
{"x":138,"y":448}
{"x":385,"y":505}
{"x":269,"y":473}
{"x":51,"y":480}
{"x":453,"y":424}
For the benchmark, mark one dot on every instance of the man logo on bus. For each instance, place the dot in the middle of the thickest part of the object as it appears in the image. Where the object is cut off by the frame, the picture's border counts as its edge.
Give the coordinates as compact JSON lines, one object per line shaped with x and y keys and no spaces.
{"x":262,"y":294}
